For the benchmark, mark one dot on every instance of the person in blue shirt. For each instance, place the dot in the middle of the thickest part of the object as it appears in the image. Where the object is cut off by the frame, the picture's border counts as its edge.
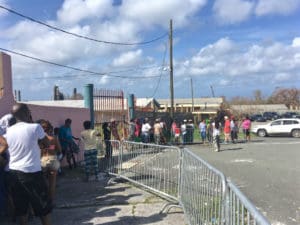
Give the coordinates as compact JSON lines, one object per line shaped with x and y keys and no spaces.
{"x":66,"y":141}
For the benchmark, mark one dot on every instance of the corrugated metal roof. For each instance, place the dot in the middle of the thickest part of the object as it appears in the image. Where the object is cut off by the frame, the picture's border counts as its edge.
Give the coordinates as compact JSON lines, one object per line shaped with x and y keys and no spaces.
{"x":198,"y":101}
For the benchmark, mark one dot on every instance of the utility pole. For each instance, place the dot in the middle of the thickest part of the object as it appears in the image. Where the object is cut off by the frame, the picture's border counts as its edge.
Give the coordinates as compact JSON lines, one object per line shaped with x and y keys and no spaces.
{"x":212,"y":91}
{"x":192,"y":90}
{"x":171,"y":70}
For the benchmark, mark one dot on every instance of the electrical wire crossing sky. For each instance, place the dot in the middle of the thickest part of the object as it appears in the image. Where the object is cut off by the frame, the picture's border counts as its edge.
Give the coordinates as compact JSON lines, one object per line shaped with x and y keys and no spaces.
{"x":125,"y":45}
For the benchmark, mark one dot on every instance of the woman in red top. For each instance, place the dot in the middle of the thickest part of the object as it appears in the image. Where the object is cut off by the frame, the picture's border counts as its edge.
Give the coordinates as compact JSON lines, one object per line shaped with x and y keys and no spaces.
{"x":227,"y":129}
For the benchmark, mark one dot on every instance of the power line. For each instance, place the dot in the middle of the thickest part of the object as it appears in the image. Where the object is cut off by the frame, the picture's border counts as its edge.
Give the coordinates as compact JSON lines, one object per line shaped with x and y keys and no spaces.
{"x":75,"y":68}
{"x":77,"y":76}
{"x":161,"y":72}
{"x":78,"y":35}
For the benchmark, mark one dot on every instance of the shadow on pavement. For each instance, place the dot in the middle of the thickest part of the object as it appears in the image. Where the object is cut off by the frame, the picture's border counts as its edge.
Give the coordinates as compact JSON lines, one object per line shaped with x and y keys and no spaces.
{"x":104,"y":203}
{"x":230,"y":149}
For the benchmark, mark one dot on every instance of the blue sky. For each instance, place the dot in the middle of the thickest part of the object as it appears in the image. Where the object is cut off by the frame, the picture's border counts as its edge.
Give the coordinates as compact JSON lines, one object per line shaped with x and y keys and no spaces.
{"x":235,"y":46}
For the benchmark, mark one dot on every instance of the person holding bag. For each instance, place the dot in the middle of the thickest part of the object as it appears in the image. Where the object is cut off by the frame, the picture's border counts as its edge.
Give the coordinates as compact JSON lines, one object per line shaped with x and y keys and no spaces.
{"x":89,"y":138}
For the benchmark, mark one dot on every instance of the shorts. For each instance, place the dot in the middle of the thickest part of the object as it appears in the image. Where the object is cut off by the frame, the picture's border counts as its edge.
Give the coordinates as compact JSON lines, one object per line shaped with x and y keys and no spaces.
{"x":50,"y":162}
{"x":29,"y":189}
{"x":246,"y":132}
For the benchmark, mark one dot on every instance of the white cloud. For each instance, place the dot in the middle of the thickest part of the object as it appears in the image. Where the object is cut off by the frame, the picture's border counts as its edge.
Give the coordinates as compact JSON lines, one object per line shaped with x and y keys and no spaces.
{"x":224,"y":82}
{"x":282,"y":77}
{"x":135,"y":21}
{"x":103,"y":80}
{"x":37,"y":41}
{"x":208,"y":60}
{"x":73,"y":11}
{"x":131,"y":58}
{"x":157,"y":12}
{"x":267,"y":7}
{"x":105,"y":22}
{"x":122,"y":23}
{"x":118,"y":30}
{"x":296,"y":42}
{"x":232,"y":11}
{"x":226,"y":58}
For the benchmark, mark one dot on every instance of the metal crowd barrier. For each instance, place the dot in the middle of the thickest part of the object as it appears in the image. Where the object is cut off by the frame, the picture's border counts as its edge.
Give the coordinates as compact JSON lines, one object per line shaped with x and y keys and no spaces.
{"x":203,"y":192}
{"x":155,"y":167}
{"x":110,"y":164}
{"x":241,"y":210}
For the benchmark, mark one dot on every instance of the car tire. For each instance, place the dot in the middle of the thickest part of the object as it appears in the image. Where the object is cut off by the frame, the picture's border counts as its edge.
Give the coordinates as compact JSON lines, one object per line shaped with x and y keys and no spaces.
{"x":296,"y":133}
{"x":261,"y":133}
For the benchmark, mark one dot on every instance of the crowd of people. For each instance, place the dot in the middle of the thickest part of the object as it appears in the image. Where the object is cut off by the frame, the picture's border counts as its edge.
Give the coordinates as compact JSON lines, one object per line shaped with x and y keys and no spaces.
{"x":146,"y":131}
{"x":182,"y":132}
{"x":211,"y":129}
{"x":157,"y":131}
{"x":31,"y":153}
{"x":24,"y":182}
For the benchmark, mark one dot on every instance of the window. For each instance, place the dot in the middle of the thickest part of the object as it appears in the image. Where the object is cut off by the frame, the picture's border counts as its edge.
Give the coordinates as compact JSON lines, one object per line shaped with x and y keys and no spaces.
{"x":288,"y":122}
{"x":276,"y":123}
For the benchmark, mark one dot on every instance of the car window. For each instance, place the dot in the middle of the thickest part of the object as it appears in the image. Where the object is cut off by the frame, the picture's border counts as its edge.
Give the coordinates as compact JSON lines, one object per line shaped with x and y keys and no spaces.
{"x":276,"y":123}
{"x":295,"y":122}
{"x":288,"y":122}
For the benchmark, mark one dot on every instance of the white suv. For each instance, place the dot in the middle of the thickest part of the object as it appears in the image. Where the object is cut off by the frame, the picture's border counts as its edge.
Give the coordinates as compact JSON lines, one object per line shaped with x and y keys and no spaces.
{"x":278,"y":127}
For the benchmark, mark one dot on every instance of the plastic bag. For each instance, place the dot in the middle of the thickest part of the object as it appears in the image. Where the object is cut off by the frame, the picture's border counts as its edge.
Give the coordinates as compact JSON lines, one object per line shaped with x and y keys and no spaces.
{"x":100,"y":147}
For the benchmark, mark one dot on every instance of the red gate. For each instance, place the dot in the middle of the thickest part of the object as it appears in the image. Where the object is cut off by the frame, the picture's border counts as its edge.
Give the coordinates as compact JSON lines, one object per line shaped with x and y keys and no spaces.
{"x":109,"y":106}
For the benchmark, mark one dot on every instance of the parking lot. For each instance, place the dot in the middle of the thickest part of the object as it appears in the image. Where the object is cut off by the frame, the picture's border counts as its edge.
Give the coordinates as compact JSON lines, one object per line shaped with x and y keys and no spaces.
{"x":267,"y":171}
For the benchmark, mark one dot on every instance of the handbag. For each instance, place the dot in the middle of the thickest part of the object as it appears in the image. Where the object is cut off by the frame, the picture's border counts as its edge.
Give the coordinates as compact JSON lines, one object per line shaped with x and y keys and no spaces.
{"x":74,"y":147}
{"x":100,"y":147}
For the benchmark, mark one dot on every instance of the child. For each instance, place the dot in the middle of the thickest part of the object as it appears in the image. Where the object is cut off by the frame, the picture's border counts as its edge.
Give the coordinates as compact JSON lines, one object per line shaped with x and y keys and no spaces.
{"x":89,"y":138}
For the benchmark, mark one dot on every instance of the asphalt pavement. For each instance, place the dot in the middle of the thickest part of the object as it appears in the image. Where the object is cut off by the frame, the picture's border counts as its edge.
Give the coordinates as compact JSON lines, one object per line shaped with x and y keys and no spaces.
{"x":266,"y":170}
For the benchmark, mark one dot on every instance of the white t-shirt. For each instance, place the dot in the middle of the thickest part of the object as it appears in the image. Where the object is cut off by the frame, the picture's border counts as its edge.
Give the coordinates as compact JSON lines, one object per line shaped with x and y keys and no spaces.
{"x":215,"y":130}
{"x":183,"y":128}
{"x":89,"y":138}
{"x":232,"y":125}
{"x":146,"y":127}
{"x":23,"y":149}
{"x":4,"y":121}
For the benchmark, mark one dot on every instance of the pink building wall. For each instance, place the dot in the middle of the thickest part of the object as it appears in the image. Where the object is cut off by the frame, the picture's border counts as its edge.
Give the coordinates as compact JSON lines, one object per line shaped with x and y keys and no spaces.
{"x":6,"y":97}
{"x":56,"y":115}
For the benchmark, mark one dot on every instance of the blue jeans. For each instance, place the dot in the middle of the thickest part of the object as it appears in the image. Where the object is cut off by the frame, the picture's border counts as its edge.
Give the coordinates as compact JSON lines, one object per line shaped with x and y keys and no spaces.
{"x":145,"y":137}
